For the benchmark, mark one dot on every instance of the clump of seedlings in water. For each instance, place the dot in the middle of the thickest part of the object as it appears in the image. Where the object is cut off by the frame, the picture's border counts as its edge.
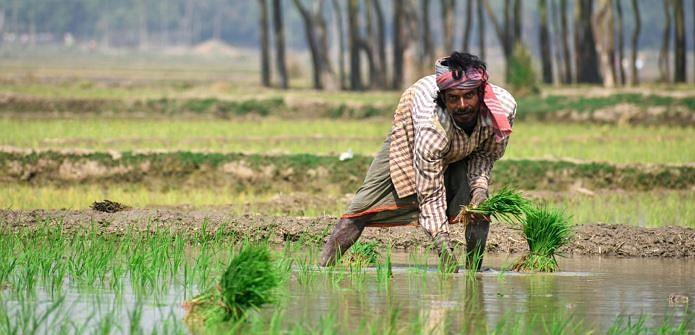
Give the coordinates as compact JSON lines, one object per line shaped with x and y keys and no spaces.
{"x":248,"y":283}
{"x":363,"y":253}
{"x":546,"y":230}
{"x":505,"y":205}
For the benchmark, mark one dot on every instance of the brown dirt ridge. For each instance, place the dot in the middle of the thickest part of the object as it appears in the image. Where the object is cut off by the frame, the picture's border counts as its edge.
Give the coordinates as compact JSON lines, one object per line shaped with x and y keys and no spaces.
{"x":589,"y":239}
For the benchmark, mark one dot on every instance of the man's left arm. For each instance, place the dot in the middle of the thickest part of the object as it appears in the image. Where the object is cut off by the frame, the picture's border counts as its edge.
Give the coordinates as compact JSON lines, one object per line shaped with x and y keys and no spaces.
{"x":480,"y":164}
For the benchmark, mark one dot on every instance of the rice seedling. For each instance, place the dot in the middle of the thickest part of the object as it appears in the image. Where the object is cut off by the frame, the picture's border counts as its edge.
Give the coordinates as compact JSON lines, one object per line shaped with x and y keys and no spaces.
{"x":546,"y":230}
{"x":248,"y":283}
{"x":364,"y":253}
{"x":384,"y":271}
{"x":505,"y":205}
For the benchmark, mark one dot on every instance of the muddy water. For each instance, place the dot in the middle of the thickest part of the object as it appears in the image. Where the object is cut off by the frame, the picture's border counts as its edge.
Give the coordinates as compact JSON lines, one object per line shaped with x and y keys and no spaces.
{"x":593,"y":290}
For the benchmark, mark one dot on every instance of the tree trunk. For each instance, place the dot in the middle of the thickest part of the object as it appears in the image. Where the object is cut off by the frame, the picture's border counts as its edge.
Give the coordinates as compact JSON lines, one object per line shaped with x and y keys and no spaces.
{"x":448,"y":11}
{"x":566,"y":56}
{"x":554,"y":15}
{"x":544,"y":41}
{"x":467,"y":26}
{"x":586,"y":58}
{"x":398,"y":46}
{"x":353,"y":45}
{"x":664,"y":68}
{"x":481,"y":29}
{"x":518,"y":22}
{"x":635,"y":43}
{"x":265,"y":43}
{"x":341,"y":42}
{"x":605,"y":41}
{"x":505,"y":34}
{"x":621,"y":51}
{"x":316,"y":58}
{"x":280,"y":44}
{"x":380,"y":44}
{"x":680,"y":46}
{"x":427,"y":52}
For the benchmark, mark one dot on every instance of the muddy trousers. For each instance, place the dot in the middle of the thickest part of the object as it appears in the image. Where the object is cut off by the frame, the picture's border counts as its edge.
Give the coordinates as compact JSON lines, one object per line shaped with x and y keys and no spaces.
{"x":377,"y":204}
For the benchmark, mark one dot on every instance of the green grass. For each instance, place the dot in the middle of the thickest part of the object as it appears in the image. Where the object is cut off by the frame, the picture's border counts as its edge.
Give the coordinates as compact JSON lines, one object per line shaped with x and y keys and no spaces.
{"x":616,"y":144}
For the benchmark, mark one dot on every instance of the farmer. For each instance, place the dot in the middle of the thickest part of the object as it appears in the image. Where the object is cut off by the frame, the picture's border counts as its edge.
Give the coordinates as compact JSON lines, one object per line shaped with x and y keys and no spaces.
{"x":448,"y":131}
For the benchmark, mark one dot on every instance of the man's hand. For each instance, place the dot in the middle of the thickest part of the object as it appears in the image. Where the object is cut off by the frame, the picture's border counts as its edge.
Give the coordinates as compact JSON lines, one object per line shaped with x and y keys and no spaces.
{"x":477,"y":197}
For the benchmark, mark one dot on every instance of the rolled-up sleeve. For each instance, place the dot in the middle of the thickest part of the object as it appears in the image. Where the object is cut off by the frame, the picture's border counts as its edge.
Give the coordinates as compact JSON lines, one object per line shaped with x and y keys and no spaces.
{"x":430,"y":146}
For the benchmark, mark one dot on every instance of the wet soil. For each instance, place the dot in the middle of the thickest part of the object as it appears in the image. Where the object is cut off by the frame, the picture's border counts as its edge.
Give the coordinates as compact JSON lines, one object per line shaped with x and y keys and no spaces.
{"x":589,"y":239}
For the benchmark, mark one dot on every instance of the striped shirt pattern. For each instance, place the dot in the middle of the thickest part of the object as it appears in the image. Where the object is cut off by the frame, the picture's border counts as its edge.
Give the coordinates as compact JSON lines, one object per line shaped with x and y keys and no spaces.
{"x":425,"y":140}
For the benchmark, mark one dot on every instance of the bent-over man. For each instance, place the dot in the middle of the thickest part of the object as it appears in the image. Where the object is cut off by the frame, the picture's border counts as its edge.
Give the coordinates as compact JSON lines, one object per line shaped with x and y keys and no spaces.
{"x":448,"y":131}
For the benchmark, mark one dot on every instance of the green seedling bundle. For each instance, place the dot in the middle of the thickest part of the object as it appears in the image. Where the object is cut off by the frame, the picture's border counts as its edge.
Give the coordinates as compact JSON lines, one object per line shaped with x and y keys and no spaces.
{"x":546,"y":229}
{"x":248,"y":283}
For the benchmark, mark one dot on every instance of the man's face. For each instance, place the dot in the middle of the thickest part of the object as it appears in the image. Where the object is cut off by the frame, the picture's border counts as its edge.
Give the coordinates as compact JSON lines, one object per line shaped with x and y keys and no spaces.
{"x":462,"y":105}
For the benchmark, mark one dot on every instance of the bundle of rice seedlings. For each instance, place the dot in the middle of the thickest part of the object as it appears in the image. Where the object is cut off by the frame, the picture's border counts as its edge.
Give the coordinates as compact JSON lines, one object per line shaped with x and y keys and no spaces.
{"x":364,"y":253}
{"x":546,"y":230}
{"x":248,"y":283}
{"x":505,"y":205}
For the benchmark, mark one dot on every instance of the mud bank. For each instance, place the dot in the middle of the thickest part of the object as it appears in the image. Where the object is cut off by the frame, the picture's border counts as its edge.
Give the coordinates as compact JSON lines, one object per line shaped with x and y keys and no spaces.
{"x":304,"y":172}
{"x":590,"y":239}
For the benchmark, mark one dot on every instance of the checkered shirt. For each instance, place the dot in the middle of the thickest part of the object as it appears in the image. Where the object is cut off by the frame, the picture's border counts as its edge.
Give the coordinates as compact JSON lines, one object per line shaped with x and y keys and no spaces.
{"x":425,"y":140}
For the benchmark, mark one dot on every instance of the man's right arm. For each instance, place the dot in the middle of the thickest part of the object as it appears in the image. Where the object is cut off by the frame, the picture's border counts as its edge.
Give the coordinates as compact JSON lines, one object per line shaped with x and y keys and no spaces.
{"x":430,"y":145}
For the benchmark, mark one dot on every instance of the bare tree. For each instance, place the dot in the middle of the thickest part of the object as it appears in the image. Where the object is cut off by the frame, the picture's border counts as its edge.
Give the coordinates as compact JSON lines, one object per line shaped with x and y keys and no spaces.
{"x":544,"y":41}
{"x":338,"y":13}
{"x":280,"y":43}
{"x":467,"y":25}
{"x":265,"y":43}
{"x":605,"y":41}
{"x":664,"y":68}
{"x":505,"y":33}
{"x":448,"y":11}
{"x":316,"y":31}
{"x":635,"y":41}
{"x":481,"y":29}
{"x":585,"y":56}
{"x":405,"y":37}
{"x":518,"y":21}
{"x":680,"y":46}
{"x":566,"y":56}
{"x":427,"y":50}
{"x":398,"y":43}
{"x":380,"y":46}
{"x":621,"y":53}
{"x":554,"y":14}
{"x":355,"y":74}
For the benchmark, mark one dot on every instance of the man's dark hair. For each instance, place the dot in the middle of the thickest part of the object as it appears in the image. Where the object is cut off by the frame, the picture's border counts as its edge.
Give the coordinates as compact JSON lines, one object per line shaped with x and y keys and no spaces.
{"x":460,"y":62}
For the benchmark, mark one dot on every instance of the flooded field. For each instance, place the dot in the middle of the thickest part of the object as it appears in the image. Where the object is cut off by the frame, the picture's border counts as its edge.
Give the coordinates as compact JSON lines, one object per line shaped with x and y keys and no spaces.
{"x":591,"y":293}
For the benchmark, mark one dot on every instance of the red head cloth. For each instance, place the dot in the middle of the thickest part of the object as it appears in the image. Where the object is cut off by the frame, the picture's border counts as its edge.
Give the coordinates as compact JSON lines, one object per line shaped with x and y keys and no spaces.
{"x":472,"y":79}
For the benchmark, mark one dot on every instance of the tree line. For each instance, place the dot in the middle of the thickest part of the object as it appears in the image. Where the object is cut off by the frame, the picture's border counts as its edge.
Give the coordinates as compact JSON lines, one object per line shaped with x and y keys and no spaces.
{"x":587,"y":46}
{"x":392,"y":42}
